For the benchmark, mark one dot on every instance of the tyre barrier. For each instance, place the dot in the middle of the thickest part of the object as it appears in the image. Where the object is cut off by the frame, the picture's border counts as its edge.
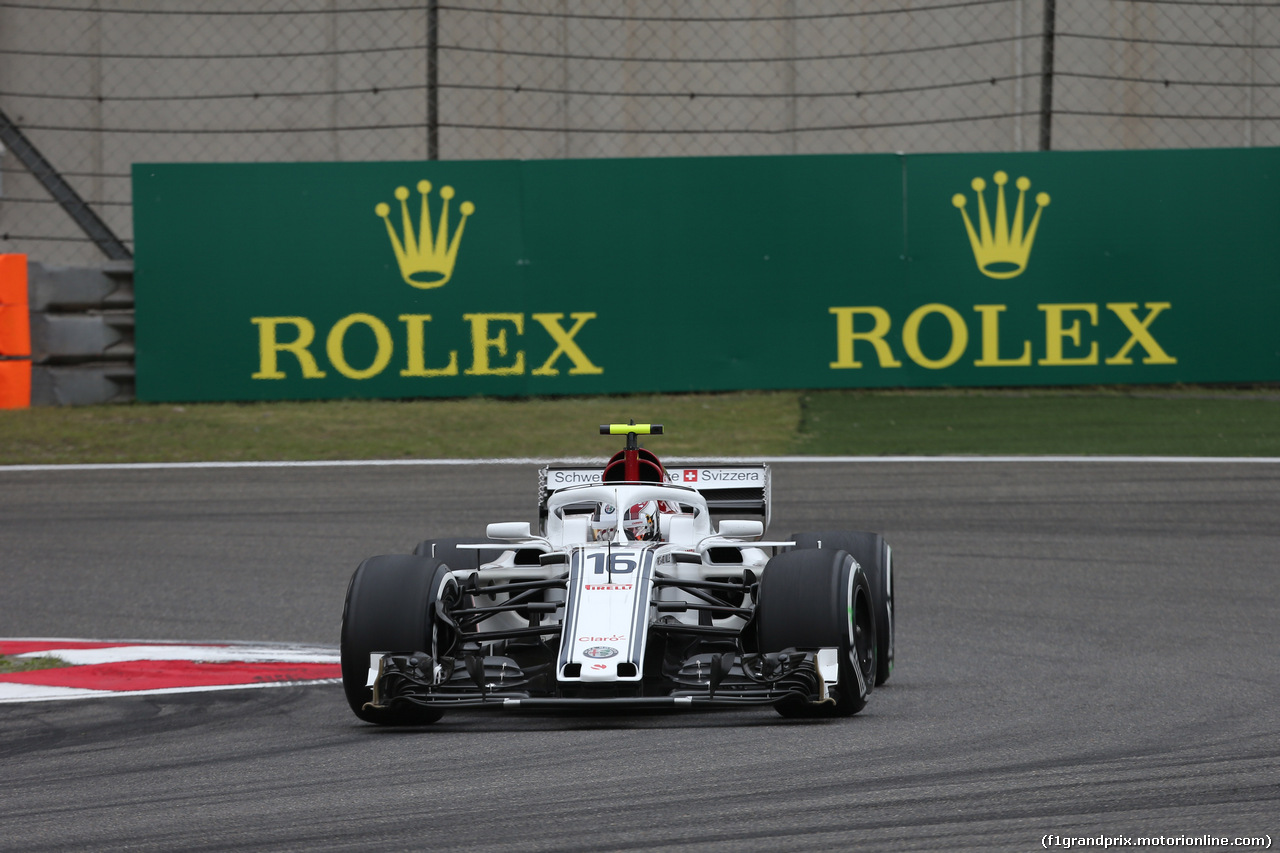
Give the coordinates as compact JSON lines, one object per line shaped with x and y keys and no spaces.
{"x":66,"y":334}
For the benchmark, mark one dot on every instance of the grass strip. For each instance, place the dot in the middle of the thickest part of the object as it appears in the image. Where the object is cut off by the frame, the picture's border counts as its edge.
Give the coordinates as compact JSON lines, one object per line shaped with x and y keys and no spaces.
{"x":12,"y":665}
{"x":697,"y":424}
{"x":1194,"y":422}
{"x":1103,"y":421}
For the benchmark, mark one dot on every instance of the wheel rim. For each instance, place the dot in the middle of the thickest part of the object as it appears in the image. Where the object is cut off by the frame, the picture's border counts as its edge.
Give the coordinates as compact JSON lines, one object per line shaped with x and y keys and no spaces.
{"x":444,"y":639}
{"x":862,"y":653}
{"x":865,"y":656}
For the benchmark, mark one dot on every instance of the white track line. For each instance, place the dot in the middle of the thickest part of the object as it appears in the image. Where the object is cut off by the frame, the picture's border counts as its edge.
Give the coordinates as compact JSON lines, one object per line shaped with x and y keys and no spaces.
{"x":672,"y":462}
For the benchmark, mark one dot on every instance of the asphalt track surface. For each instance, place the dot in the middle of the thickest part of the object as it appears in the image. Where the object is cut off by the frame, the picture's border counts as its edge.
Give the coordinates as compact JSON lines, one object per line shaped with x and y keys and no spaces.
{"x":1084,"y":649}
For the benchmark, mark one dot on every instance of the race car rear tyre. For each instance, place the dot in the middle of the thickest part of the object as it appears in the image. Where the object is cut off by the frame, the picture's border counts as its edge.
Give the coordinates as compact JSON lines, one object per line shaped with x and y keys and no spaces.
{"x":459,"y":559}
{"x":819,"y":599}
{"x":876,"y":558}
{"x":390,"y":607}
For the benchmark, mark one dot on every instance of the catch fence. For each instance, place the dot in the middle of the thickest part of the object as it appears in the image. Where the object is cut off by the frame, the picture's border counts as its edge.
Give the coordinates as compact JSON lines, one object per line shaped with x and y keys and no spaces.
{"x":90,"y":87}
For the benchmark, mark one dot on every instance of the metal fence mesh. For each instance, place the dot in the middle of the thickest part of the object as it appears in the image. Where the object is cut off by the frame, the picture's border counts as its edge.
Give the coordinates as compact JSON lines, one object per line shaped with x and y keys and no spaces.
{"x":96,"y":85}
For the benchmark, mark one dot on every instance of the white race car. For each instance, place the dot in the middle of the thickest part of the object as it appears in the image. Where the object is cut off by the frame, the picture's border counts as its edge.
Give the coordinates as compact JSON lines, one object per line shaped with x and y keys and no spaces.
{"x":629,"y":595}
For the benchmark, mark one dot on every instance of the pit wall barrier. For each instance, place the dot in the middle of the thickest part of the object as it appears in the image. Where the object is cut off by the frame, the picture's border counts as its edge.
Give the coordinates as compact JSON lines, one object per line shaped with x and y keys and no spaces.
{"x":423,"y":279}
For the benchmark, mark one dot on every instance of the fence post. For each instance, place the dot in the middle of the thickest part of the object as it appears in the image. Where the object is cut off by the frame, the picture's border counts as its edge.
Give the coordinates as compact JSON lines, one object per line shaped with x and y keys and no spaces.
{"x":433,"y":80}
{"x":1046,"y":77}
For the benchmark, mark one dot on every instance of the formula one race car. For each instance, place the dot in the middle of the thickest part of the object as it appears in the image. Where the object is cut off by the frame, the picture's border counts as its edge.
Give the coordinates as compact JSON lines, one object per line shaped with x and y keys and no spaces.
{"x":628,"y":596}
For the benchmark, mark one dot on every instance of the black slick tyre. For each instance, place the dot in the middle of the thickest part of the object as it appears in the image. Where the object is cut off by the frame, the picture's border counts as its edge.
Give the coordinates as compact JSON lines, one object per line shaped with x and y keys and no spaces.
{"x":390,"y":607}
{"x":876,"y":558}
{"x":819,"y":599}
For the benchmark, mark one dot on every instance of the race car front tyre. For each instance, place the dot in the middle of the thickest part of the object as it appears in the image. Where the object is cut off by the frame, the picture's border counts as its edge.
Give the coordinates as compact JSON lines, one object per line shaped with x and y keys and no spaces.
{"x":876,"y":558}
{"x":814,"y":599}
{"x":390,"y":607}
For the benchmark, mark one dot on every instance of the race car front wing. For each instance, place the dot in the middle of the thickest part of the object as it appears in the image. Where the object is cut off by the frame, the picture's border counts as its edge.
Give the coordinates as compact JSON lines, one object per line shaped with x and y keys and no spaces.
{"x":709,"y":680}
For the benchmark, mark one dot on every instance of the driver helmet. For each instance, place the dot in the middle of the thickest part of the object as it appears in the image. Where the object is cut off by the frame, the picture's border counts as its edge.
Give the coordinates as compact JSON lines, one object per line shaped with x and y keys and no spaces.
{"x":641,"y":522}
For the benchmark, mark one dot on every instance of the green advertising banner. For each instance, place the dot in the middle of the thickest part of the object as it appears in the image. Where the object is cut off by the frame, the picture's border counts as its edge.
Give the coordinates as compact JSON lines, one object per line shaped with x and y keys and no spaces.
{"x":425,"y":279}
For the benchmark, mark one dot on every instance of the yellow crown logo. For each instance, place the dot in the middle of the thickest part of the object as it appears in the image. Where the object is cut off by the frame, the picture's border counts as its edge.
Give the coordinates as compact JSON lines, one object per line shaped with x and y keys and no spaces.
{"x":426,"y":261}
{"x":1001,"y":252}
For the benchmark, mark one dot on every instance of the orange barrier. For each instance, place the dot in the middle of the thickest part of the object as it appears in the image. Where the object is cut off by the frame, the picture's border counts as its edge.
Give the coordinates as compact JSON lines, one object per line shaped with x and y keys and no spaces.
{"x":15,"y":334}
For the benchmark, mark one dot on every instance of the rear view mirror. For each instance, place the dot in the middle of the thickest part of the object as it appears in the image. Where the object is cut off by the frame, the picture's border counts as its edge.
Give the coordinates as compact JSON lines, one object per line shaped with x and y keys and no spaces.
{"x":731,"y":529}
{"x":508,"y":530}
